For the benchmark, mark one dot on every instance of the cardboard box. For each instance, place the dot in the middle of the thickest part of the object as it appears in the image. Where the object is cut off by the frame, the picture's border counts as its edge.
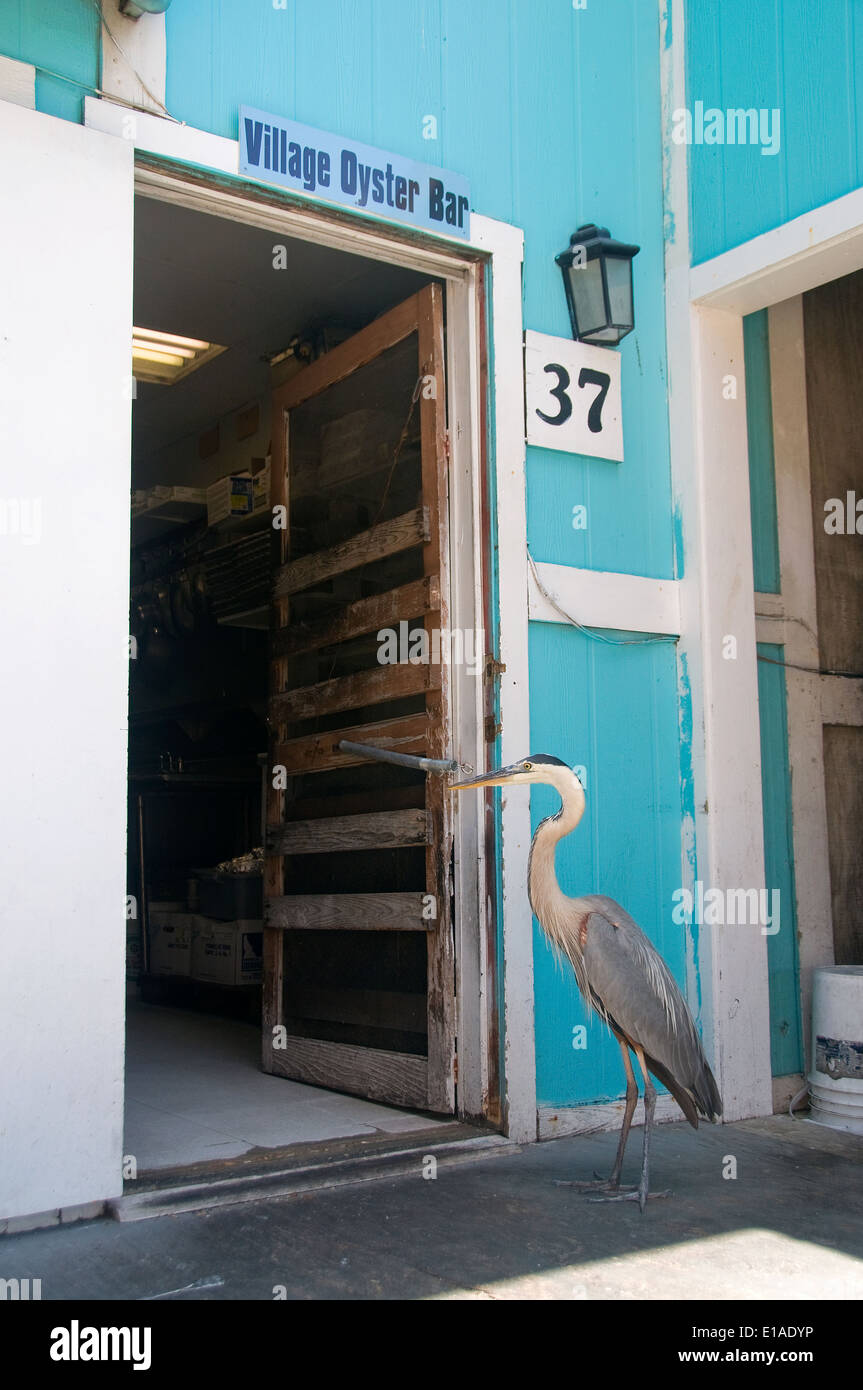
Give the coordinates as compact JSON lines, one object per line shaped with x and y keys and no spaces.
{"x":171,"y":942}
{"x":133,"y":951}
{"x":230,"y":497}
{"x":261,"y":487}
{"x":227,"y":953}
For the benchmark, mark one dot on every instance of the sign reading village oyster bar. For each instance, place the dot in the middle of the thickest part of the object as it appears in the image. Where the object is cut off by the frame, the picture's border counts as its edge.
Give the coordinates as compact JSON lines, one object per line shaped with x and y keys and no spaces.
{"x":326,"y":166}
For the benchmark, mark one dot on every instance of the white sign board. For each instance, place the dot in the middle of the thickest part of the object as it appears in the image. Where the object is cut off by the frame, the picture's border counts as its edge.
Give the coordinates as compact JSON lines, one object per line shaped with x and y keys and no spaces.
{"x":573,"y":397}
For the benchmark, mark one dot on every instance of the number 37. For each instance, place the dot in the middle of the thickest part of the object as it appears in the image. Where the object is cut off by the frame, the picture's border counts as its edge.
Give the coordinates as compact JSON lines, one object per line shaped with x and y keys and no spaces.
{"x":572,"y":397}
{"x":586,"y":377}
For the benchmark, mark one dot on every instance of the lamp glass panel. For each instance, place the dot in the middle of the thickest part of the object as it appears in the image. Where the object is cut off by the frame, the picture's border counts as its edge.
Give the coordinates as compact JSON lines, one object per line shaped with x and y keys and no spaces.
{"x":619,"y":271}
{"x":586,"y":287}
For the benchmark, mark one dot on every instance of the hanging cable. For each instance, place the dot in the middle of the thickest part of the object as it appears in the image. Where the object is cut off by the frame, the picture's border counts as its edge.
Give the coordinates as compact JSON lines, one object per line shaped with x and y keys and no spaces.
{"x":100,"y":92}
{"x":812,"y":670}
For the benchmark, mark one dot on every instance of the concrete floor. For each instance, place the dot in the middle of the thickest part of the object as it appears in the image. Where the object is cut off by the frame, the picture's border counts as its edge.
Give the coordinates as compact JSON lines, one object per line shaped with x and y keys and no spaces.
{"x":195,"y":1093}
{"x":790,"y":1225}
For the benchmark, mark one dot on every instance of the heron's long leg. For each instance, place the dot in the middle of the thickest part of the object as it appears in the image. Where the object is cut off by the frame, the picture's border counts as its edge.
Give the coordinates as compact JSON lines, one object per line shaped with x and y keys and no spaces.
{"x":643,"y":1191}
{"x":612,"y":1183}
{"x":629,"y":1111}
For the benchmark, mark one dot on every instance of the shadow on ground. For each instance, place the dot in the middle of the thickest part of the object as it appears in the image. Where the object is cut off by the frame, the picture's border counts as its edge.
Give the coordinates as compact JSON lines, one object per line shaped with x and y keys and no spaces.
{"x":790,"y":1225}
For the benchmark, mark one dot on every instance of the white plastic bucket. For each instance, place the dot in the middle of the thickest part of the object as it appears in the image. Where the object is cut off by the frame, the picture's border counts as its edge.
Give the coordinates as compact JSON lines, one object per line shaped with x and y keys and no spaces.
{"x":836,"y":1078}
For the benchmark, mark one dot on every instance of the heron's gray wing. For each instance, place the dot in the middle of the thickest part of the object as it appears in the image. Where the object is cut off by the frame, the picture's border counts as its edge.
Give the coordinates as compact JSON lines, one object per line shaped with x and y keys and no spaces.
{"x":640,"y":996}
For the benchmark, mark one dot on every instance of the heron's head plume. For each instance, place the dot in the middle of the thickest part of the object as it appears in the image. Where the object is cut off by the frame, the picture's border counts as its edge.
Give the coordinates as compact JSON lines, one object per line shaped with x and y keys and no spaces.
{"x":537,"y":767}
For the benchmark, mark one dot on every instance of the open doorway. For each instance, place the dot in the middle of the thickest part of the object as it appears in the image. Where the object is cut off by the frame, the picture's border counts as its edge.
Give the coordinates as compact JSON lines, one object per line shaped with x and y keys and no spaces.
{"x":803,"y":360}
{"x":273,"y":372}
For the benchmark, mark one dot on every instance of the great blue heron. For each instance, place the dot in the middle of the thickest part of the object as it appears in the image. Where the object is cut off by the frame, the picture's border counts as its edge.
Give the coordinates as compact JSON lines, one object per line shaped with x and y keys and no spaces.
{"x":619,"y":972}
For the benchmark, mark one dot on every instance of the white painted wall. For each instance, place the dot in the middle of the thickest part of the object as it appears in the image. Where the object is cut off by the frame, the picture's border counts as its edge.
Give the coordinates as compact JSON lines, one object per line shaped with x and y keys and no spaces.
{"x":65,"y":332}
{"x":709,"y":456}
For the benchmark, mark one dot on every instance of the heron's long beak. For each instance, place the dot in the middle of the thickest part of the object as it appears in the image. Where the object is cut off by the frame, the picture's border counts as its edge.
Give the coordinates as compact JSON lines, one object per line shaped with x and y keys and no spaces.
{"x":499,"y":778}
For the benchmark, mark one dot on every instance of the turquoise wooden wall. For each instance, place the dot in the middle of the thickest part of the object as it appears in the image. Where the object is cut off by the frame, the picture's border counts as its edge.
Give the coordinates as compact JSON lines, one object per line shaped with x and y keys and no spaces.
{"x":607,"y":708}
{"x":804,"y":57}
{"x":759,"y":429}
{"x":786,"y":1038}
{"x":782,"y":956}
{"x":554,"y":116}
{"x":553,"y":113}
{"x":61,"y":37}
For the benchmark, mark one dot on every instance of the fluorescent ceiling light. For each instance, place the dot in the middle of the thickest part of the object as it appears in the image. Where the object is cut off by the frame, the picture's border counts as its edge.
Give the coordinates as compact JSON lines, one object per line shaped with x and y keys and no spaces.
{"x":164,"y":358}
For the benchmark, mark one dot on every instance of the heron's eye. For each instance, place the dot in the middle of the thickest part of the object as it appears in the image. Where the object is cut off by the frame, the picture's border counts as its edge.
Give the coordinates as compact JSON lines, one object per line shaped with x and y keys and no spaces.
{"x":528,"y":767}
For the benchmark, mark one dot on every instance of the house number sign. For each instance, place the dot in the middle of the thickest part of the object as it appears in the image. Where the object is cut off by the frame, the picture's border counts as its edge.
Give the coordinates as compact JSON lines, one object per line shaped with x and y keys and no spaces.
{"x":573,"y":397}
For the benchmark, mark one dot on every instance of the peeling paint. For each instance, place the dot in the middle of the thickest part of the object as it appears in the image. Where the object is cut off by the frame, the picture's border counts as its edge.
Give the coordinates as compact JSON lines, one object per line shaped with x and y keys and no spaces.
{"x":677,"y":533}
{"x":689,"y":850}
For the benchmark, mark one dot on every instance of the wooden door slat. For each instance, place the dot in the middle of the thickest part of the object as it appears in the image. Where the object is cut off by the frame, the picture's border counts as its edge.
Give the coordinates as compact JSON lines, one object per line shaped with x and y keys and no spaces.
{"x":357,"y":803}
{"x":377,"y":830}
{"x":347,"y":357}
{"x":387,"y":538}
{"x":348,"y":912}
{"x":396,"y":1078}
{"x":379,"y":1074}
{"x":357,"y":618}
{"x":355,"y":691}
{"x":441,"y":959}
{"x":369,"y":1008}
{"x":321,"y":752}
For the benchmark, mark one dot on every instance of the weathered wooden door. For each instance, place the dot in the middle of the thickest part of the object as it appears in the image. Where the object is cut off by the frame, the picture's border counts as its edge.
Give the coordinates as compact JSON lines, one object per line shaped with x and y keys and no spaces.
{"x":358,"y":942}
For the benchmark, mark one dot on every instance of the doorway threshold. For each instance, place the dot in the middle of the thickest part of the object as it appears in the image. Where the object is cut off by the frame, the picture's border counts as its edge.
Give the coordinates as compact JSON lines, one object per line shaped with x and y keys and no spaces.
{"x":303,"y":1168}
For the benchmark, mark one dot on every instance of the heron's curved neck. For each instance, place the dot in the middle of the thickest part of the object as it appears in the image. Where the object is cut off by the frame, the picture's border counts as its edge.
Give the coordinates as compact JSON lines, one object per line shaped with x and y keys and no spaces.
{"x":548,"y":901}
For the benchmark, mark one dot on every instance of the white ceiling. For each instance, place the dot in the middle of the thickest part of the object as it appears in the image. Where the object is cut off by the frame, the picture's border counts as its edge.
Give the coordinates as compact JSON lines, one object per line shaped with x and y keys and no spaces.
{"x":206,"y":277}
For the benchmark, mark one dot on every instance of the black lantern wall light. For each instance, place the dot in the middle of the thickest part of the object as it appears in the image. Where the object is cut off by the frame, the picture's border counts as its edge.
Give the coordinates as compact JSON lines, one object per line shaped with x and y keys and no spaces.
{"x":597,"y":278}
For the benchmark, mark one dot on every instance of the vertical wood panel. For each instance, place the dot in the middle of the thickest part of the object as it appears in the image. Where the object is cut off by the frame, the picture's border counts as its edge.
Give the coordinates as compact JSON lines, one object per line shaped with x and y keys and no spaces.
{"x":786,"y":1038}
{"x":843,"y":774}
{"x":759,"y":429}
{"x":833,"y":323}
{"x":441,"y":961}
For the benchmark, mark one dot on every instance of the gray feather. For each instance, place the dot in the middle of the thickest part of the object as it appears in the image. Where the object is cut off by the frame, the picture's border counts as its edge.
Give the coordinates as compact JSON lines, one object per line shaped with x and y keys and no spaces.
{"x":635,"y":991}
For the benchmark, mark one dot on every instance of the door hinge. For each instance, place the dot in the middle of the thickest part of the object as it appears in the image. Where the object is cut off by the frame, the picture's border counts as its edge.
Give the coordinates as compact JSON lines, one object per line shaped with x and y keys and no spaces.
{"x":492,"y":728}
{"x":493,"y":667}
{"x":455,"y":1067}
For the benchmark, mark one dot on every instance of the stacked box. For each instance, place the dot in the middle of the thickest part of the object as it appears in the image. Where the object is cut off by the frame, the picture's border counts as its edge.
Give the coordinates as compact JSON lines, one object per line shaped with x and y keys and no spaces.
{"x":133,"y":951}
{"x":261,"y":488}
{"x":170,"y":942}
{"x":230,"y":497}
{"x":227,"y":953}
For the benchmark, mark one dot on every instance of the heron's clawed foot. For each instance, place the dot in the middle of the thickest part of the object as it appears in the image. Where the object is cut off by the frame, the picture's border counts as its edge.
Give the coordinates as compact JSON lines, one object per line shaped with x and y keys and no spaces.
{"x":600,"y":1184}
{"x":633,"y":1194}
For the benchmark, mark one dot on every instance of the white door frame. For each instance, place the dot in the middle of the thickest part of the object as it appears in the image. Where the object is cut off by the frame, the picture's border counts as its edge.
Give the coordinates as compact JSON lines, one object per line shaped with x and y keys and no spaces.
{"x":499,"y":246}
{"x":705,"y":306}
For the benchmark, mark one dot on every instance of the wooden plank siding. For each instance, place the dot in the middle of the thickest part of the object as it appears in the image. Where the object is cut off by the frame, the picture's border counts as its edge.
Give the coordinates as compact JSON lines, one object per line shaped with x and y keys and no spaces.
{"x":347,"y":912}
{"x":362,"y":616}
{"x":376,"y":830}
{"x":392,"y":824}
{"x":321,"y":752}
{"x":395,"y":1077}
{"x":387,"y":538}
{"x":374,"y":687}
{"x":441,"y":954}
